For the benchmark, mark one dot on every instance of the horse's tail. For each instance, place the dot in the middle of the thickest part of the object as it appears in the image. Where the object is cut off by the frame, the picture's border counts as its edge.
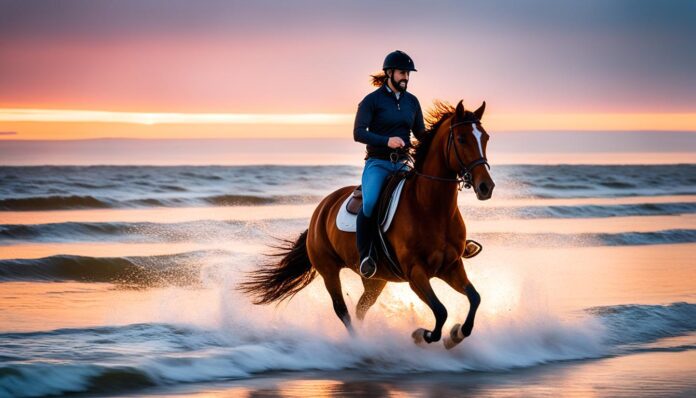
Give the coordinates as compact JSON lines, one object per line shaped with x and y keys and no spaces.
{"x":281,"y":280}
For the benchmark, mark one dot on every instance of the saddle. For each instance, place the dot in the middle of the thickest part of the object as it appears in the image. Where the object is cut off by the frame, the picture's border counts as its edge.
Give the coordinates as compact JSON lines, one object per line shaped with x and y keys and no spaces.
{"x":385,"y":196}
{"x":355,"y":201}
{"x":385,"y":210}
{"x":386,"y":207}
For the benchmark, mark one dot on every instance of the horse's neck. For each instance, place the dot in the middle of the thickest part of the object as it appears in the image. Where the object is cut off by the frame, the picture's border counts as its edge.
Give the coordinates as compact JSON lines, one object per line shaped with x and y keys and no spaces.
{"x":439,"y":197}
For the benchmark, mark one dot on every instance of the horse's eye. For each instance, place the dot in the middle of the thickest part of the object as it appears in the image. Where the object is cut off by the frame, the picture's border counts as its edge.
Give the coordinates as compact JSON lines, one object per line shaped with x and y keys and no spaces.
{"x":460,"y":139}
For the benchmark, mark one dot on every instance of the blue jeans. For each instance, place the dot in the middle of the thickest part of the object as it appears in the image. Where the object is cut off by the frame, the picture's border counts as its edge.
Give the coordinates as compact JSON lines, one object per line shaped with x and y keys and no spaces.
{"x":373,"y":176}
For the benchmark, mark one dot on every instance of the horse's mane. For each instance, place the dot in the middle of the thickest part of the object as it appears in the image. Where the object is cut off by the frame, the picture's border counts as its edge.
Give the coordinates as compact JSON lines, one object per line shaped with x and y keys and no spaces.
{"x":433,"y":120}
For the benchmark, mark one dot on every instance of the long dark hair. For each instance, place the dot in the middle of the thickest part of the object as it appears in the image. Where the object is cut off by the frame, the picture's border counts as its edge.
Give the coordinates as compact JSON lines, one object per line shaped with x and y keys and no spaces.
{"x":378,"y":78}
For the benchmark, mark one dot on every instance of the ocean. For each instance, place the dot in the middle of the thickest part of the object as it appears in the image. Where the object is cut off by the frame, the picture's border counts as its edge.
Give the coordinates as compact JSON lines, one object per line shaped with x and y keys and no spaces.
{"x":120,"y":280}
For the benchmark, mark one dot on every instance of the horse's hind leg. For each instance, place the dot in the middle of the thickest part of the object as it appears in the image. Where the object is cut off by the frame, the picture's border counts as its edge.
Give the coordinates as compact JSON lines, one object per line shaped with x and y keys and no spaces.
{"x":420,"y":284}
{"x":373,"y":288}
{"x":332,"y":281}
{"x":460,"y":282}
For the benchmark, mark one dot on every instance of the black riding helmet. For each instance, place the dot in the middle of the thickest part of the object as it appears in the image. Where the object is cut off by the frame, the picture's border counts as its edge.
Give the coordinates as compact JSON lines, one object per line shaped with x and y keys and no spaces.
{"x":398,"y":60}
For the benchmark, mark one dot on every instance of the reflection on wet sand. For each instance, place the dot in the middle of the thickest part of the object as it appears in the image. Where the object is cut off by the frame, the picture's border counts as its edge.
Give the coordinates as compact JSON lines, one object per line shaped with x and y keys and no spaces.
{"x":40,"y":306}
{"x":584,"y":225}
{"x":592,"y":276}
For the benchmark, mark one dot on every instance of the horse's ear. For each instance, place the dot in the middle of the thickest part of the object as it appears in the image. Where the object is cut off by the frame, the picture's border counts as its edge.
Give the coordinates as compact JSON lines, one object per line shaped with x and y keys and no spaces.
{"x":460,"y":109}
{"x":479,"y":111}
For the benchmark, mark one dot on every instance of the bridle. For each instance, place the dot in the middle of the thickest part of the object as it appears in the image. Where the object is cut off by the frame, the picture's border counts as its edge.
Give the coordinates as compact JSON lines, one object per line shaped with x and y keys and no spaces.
{"x":464,"y":169}
{"x":464,"y":176}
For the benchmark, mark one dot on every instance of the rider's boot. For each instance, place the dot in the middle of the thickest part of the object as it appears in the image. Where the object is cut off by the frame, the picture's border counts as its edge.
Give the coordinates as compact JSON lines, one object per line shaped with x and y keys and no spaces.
{"x":363,"y":230}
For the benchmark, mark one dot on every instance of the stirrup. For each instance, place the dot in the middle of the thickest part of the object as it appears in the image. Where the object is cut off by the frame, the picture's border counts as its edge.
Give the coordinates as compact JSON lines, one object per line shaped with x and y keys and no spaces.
{"x":368,"y":267}
{"x":472,"y":249}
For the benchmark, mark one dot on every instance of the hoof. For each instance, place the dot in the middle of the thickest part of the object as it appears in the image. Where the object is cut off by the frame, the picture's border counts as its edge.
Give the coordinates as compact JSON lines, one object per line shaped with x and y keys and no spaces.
{"x":455,"y":337}
{"x":421,"y":336}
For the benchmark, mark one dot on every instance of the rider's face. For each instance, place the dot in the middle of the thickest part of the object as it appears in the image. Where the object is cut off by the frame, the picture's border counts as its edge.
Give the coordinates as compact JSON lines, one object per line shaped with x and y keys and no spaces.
{"x":399,"y":78}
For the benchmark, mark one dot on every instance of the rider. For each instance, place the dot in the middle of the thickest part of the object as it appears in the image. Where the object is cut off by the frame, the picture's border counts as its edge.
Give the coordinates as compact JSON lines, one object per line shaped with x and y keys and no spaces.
{"x":384,"y":121}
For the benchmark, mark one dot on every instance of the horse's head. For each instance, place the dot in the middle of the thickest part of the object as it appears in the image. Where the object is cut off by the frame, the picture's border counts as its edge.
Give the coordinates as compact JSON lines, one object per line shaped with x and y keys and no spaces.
{"x":466,"y":150}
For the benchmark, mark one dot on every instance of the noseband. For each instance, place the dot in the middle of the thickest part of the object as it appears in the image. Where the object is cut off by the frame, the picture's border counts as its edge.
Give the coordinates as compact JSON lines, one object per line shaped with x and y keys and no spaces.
{"x":464,"y":169}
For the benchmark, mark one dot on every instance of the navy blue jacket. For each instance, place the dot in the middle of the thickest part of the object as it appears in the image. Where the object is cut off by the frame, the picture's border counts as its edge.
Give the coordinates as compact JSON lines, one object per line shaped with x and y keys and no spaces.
{"x":381,"y":115}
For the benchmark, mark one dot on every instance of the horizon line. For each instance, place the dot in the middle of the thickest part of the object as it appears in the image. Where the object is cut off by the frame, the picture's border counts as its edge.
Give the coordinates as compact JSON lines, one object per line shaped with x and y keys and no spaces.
{"x":167,"y":122}
{"x":15,"y":137}
{"x":151,"y":118}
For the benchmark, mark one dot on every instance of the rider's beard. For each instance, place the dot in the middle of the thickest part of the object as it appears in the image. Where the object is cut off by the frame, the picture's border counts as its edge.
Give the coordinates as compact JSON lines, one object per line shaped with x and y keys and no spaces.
{"x":398,"y":84}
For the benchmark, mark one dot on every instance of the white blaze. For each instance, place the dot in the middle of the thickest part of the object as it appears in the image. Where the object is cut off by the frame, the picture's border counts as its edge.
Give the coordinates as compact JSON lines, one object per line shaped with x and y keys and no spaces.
{"x":478,"y":135}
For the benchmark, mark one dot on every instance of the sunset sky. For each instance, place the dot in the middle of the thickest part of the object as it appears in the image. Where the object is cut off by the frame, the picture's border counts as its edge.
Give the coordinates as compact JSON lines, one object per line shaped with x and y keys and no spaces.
{"x":216,"y":69}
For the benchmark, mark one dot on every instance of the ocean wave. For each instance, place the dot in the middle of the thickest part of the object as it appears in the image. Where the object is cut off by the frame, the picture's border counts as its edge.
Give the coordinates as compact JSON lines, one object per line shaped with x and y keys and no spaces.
{"x":182,"y":269}
{"x":251,"y":200}
{"x":66,"y":232}
{"x":196,"y":184}
{"x":52,"y":362}
{"x":60,"y":202}
{"x":636,"y":324}
{"x":41,"y":188}
{"x":49,"y":379}
{"x":54,"y":202}
{"x":191,"y":231}
{"x":585,"y":181}
{"x":669,"y":236}
{"x":591,"y":211}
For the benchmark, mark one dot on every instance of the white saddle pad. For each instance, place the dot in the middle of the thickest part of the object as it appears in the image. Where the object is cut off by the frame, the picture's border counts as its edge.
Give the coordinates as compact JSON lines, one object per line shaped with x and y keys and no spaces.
{"x":346,"y":221}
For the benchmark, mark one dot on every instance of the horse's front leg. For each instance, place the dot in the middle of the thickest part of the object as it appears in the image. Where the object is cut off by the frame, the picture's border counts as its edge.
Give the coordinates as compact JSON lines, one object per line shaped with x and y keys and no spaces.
{"x":460,"y":282}
{"x":420,"y":283}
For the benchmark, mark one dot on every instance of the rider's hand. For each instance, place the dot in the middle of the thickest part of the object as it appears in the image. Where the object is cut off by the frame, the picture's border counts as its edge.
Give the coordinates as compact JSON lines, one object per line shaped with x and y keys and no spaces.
{"x":396,"y":142}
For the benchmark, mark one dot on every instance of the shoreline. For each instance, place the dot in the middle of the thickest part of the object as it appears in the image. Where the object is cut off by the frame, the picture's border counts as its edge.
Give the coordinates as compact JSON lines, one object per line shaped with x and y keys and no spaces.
{"x":641,"y":374}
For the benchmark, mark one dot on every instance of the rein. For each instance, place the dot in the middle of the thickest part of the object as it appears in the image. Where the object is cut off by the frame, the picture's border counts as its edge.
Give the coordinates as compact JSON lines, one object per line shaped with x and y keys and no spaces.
{"x":464,"y":177}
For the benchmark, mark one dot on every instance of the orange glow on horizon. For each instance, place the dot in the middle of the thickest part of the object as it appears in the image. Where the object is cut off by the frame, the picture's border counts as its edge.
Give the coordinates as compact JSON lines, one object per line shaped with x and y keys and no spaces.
{"x":64,"y":124}
{"x":149,"y":118}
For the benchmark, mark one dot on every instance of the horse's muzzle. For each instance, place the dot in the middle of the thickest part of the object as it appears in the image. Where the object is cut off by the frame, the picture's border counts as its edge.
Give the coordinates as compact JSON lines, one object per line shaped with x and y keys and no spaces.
{"x":484,"y":190}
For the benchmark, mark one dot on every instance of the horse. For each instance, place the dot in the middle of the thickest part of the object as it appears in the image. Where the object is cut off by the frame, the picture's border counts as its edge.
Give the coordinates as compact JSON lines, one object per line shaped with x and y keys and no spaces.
{"x":427,"y":232}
